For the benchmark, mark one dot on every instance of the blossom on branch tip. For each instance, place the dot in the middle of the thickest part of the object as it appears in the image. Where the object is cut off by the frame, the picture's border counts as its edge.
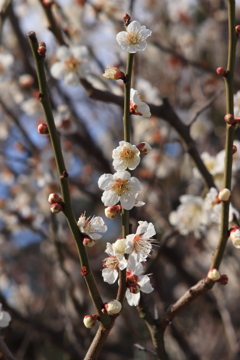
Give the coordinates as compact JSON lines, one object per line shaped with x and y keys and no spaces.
{"x":138,"y":107}
{"x":119,"y":187}
{"x":92,"y":226}
{"x":72,"y":64}
{"x":140,"y":244}
{"x":112,"y":264}
{"x":134,"y":38}
{"x":125,"y":156}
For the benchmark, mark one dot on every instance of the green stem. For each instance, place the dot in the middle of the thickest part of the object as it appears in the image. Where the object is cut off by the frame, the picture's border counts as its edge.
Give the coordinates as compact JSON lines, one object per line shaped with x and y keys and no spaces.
{"x":229,"y":85}
{"x":62,"y":172}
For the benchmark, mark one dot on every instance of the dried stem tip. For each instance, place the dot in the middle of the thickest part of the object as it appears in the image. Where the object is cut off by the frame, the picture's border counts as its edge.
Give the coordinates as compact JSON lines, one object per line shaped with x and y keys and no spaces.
{"x":32,"y":36}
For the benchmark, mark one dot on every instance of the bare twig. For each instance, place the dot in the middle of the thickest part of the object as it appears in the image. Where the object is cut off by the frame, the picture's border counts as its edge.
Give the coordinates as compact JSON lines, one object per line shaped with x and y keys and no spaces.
{"x":5,"y":350}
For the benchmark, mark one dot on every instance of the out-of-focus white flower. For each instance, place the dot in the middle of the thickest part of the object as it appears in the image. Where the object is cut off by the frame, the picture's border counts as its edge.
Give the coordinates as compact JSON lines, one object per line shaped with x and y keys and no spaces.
{"x":6,"y":61}
{"x":63,"y":121}
{"x":140,"y":244}
{"x":136,"y":282}
{"x":119,"y":187}
{"x":125,"y":156}
{"x":112,"y":264}
{"x":138,"y":107}
{"x":5,"y":318}
{"x":92,"y":226}
{"x":72,"y":64}
{"x":189,"y":216}
{"x":237,"y":104}
{"x":235,"y":236}
{"x":134,"y":38}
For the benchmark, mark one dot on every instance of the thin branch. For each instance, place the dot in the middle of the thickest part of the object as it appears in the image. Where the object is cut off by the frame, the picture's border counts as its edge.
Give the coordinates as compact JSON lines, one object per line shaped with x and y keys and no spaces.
{"x":5,"y":350}
{"x":142,"y":348}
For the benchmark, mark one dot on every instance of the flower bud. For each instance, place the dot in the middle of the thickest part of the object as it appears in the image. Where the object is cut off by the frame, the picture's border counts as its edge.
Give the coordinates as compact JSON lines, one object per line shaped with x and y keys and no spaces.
{"x":112,"y":211}
{"x":234,"y":149}
{"x":55,"y":198}
{"x":90,"y":320}
{"x":224,"y":195}
{"x":237,"y":29}
{"x":126,"y":19}
{"x":223,"y":280}
{"x":56,"y":208}
{"x":221,"y":71}
{"x":119,"y":246}
{"x":42,"y":49}
{"x":113,"y":73}
{"x":144,"y":148}
{"x":229,"y":119}
{"x":113,"y":307}
{"x":235,"y":236}
{"x":43,"y":129}
{"x":134,"y":288}
{"x":88,"y":242}
{"x":214,"y":275}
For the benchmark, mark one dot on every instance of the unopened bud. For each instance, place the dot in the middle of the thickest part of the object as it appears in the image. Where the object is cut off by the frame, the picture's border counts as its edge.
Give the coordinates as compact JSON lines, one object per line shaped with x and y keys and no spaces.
{"x":56,"y":208}
{"x":224,"y":195}
{"x":113,"y":307}
{"x":221,"y":71}
{"x":214,"y":275}
{"x":42,"y":49}
{"x":235,"y":236}
{"x":126,"y":19}
{"x":90,"y":320}
{"x":88,"y":242}
{"x":43,"y":129}
{"x":229,"y":119}
{"x":55,"y":198}
{"x":223,"y":280}
{"x":134,"y":288}
{"x":237,"y":29}
{"x":119,"y":246}
{"x":114,"y":73}
{"x":234,"y":149}
{"x":144,"y":148}
{"x":112,"y":211}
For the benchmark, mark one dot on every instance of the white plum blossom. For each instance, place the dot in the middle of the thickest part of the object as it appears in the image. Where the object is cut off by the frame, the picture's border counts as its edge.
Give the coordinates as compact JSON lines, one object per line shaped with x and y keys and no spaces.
{"x":189,"y":216}
{"x":72,"y":64}
{"x":235,"y":236}
{"x":92,"y":226}
{"x":134,"y":38}
{"x":136,"y":282}
{"x":125,"y":156}
{"x":119,"y":187}
{"x":237,"y":104}
{"x":140,"y":244}
{"x":5,"y":318}
{"x":112,"y":264}
{"x":138,"y":107}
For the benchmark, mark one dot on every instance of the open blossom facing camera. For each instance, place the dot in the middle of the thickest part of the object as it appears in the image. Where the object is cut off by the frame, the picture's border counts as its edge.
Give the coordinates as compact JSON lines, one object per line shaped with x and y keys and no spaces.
{"x":119,"y":187}
{"x":136,"y":282}
{"x":92,"y":226}
{"x":125,"y":156}
{"x":138,"y":107}
{"x":112,"y":264}
{"x":72,"y":64}
{"x":134,"y":38}
{"x":140,"y":244}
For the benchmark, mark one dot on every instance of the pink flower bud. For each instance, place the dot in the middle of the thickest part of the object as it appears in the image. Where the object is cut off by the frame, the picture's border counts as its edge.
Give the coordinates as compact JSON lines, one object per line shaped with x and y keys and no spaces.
{"x":112,"y":211}
{"x":221,"y":71}
{"x":113,"y":307}
{"x":56,"y":208}
{"x":42,"y":49}
{"x":234,"y":149}
{"x":54,"y":198}
{"x":214,"y":275}
{"x":224,"y":195}
{"x":223,"y":280}
{"x":43,"y":129}
{"x":90,"y":320}
{"x":237,"y":29}
{"x":144,"y":148}
{"x":88,"y":242}
{"x":235,"y":236}
{"x":229,"y":119}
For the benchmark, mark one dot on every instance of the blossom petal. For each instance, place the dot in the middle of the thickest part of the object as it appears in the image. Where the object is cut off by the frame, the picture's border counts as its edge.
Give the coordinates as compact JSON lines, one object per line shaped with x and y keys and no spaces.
{"x":105,"y":181}
{"x":63,"y":53}
{"x":127,"y":201}
{"x":109,"y":198}
{"x":132,"y":299}
{"x":58,"y":70}
{"x":109,"y":276}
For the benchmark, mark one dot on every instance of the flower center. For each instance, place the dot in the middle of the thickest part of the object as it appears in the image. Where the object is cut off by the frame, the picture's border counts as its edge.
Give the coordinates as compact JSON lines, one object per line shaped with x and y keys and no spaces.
{"x":127,"y":154}
{"x":120,"y":186}
{"x":133,"y":38}
{"x":134,"y":109}
{"x":111,"y":262}
{"x":72,"y":64}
